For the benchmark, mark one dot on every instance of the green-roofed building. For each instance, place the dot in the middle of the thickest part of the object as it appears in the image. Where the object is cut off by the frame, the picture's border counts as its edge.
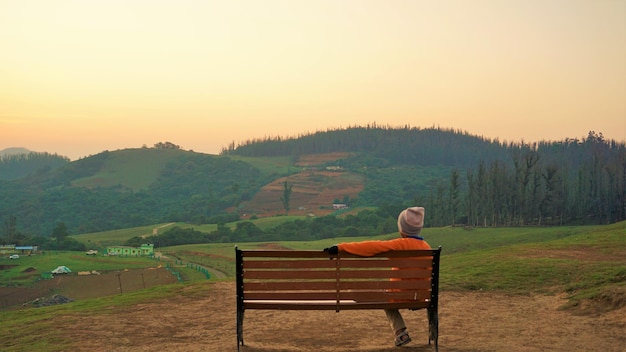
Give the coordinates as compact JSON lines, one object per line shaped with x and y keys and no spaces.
{"x":145,"y":250}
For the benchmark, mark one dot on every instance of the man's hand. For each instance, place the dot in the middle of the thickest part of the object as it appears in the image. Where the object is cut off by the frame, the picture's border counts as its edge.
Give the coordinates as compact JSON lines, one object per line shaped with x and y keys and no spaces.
{"x":332,"y":250}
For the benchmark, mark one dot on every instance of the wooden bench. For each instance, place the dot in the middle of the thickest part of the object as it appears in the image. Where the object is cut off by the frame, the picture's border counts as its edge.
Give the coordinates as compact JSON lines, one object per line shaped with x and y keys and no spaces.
{"x":308,"y":280}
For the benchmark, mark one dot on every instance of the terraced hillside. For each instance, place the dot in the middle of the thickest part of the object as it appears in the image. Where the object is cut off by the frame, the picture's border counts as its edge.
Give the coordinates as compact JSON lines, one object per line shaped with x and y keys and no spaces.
{"x":314,"y":190}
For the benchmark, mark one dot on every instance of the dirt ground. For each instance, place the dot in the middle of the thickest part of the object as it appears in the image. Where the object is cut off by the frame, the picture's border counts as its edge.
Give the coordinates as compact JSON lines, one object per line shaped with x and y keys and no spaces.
{"x":78,"y":287}
{"x":469,"y":322}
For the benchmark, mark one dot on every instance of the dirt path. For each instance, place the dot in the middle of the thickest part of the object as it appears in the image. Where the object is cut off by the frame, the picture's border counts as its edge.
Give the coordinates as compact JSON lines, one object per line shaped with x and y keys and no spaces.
{"x":469,"y":322}
{"x":215,"y":273}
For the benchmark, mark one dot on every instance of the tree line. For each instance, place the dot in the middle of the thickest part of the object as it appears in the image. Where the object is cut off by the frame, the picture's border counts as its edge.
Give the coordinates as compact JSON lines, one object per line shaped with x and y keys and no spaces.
{"x":365,"y":223}
{"x":404,"y":145}
{"x":21,"y":165}
{"x":57,"y":240}
{"x":570,"y":182}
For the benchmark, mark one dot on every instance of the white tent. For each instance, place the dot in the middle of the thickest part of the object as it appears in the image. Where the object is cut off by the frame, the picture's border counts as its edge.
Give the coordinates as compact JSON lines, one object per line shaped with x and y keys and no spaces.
{"x":61,"y":270}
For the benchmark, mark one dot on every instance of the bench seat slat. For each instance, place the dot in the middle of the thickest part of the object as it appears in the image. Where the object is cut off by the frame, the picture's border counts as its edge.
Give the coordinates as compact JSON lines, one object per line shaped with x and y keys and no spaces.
{"x":332,"y":305}
{"x":359,"y":296}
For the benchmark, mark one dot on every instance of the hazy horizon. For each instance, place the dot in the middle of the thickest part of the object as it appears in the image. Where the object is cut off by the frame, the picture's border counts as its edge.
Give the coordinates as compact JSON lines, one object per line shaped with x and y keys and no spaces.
{"x":581,"y":137}
{"x":81,"y":77}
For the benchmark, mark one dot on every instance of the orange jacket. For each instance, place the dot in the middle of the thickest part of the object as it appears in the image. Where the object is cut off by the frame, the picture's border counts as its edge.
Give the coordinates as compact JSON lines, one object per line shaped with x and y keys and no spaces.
{"x":370,"y":248}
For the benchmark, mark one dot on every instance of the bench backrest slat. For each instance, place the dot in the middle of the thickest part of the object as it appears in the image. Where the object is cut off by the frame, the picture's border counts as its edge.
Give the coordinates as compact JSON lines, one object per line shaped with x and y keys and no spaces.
{"x":333,"y":274}
{"x":289,"y":275}
{"x":286,"y":264}
{"x":386,"y":263}
{"x":385,"y":274}
{"x":289,"y":286}
{"x":386,"y":285}
{"x":345,"y":263}
{"x":333,"y":285}
{"x":259,"y":253}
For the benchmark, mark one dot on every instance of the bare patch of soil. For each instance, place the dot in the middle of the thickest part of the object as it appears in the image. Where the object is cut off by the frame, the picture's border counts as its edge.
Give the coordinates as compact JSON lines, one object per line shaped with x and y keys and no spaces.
{"x":606,"y":301}
{"x":273,"y":246}
{"x":79,"y":287}
{"x":110,"y":283}
{"x":313,"y":193}
{"x":579,"y":253}
{"x":317,"y":159}
{"x":314,"y":190}
{"x":469,"y":322}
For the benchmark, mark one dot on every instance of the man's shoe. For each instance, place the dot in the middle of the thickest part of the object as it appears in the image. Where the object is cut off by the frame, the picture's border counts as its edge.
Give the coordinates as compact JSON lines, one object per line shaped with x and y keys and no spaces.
{"x":402,"y":338}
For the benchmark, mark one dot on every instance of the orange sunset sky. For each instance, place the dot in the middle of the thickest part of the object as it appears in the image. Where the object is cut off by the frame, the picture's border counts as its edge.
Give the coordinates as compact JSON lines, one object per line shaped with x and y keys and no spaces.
{"x":80,"y":77}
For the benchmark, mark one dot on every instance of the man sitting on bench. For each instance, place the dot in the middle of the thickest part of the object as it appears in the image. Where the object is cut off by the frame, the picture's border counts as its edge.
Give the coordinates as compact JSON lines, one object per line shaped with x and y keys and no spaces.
{"x":410,"y":223}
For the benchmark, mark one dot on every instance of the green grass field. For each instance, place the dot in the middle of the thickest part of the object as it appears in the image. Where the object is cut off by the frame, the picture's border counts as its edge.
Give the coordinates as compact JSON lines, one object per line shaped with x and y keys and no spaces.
{"x":28,"y":269}
{"x":98,"y":240}
{"x":583,"y":262}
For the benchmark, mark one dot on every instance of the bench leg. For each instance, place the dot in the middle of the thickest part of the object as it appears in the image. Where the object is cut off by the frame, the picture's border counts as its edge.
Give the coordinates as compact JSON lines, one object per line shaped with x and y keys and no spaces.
{"x":433,"y":327}
{"x":239,"y":328}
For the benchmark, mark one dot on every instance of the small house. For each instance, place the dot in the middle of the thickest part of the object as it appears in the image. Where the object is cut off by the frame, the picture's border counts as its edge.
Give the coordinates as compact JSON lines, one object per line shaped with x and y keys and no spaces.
{"x":145,"y":250}
{"x":26,"y":249}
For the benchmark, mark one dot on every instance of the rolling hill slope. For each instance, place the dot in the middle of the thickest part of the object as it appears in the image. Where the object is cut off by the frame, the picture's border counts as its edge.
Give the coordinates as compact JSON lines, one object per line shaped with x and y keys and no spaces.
{"x":513,"y":184}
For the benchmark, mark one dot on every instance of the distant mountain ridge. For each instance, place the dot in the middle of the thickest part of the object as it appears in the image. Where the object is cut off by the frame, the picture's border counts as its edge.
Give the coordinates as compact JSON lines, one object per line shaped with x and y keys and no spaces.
{"x":13,"y":151}
{"x":408,"y":145}
{"x":459,"y":177}
{"x":17,"y":163}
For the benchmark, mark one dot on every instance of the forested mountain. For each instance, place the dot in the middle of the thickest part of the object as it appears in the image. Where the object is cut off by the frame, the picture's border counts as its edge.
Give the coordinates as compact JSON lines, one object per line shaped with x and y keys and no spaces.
{"x":569,"y":182}
{"x":385,"y":145}
{"x":491,"y":183}
{"x":189,"y":187}
{"x":459,"y":178}
{"x":15,"y":164}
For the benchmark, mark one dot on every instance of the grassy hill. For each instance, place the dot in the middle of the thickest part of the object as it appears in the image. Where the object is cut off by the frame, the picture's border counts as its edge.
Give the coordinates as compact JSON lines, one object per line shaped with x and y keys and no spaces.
{"x":135,"y":169}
